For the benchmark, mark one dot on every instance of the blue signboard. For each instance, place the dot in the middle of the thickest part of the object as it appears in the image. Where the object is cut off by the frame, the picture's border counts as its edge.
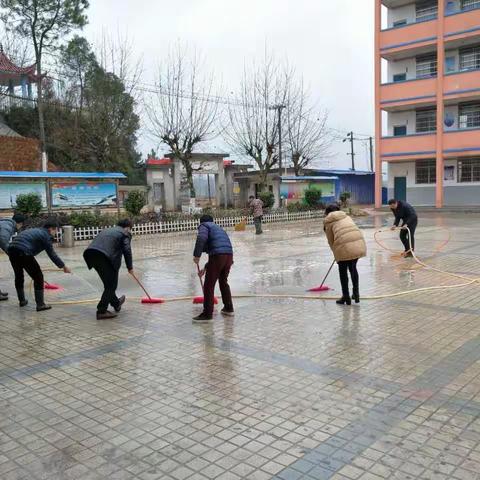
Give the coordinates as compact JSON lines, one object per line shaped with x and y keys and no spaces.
{"x":84,"y":194}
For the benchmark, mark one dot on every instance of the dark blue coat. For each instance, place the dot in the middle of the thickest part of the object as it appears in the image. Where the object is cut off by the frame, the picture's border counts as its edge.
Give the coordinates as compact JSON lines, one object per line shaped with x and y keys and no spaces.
{"x":213,"y":240}
{"x":7,"y":228}
{"x":34,"y":241}
{"x":113,"y":243}
{"x":406,"y":213}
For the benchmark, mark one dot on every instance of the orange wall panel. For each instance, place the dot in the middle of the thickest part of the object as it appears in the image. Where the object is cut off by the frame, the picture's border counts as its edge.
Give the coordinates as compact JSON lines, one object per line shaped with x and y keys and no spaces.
{"x":415,"y":34}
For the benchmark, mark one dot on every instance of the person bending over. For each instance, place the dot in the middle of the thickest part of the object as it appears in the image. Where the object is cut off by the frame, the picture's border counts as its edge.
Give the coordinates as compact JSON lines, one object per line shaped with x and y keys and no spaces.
{"x":404,"y":212}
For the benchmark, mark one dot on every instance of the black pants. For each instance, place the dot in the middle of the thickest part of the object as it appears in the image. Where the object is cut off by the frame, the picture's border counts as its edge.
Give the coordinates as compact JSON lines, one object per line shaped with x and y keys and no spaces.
{"x":404,"y":236}
{"x":109,"y":277}
{"x":21,"y":262}
{"x":218,"y":268}
{"x":343,"y":269}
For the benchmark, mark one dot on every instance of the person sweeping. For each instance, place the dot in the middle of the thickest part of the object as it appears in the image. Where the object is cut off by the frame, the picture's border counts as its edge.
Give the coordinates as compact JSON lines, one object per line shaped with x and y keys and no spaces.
{"x":404,"y":212}
{"x":8,"y":227}
{"x":213,"y":240}
{"x":22,"y":252}
{"x":104,"y":254}
{"x":256,"y":209}
{"x":348,"y":245}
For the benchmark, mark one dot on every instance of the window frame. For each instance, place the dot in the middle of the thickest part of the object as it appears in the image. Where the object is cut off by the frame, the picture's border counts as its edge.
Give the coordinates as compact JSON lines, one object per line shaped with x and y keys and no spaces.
{"x":404,"y":75}
{"x":399,"y":23}
{"x":468,"y":170}
{"x":473,"y":116}
{"x":426,"y":62}
{"x":470,"y":6}
{"x":428,"y":168}
{"x":428,"y":124}
{"x":475,"y":52}
{"x":423,"y":8}
{"x":400,"y":126}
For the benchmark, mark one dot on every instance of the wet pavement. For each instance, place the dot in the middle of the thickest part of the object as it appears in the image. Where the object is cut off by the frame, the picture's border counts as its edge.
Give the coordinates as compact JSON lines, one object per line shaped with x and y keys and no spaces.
{"x":288,"y":389}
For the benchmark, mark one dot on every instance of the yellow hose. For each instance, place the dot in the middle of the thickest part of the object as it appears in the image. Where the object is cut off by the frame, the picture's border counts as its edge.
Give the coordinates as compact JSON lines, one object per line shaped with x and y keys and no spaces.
{"x":470,"y":281}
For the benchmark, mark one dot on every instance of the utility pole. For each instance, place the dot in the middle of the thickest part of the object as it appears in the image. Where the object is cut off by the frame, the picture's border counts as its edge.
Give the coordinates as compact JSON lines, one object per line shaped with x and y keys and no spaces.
{"x":371,"y":153}
{"x":279,"y":108}
{"x":350,"y":138}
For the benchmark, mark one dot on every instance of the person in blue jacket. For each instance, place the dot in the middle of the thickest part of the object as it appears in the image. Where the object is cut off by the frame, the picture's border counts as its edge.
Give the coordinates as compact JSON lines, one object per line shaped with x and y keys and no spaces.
{"x":22,"y":252}
{"x":8,"y":227}
{"x":214,"y":241}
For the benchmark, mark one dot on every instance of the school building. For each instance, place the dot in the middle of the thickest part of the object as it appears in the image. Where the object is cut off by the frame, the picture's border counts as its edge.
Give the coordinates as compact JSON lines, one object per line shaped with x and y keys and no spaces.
{"x":427,"y":100}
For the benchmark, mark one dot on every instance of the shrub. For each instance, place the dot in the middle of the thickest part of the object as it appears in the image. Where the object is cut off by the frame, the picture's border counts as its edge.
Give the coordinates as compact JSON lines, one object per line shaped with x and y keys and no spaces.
{"x":29,"y":204}
{"x":302,"y":207}
{"x":313,"y":196}
{"x":268,"y":199}
{"x":344,"y":198}
{"x":135,"y":202}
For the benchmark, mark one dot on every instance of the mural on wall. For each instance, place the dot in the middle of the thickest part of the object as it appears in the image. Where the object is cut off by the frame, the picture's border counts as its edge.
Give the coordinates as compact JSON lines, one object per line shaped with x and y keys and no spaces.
{"x":9,"y":193}
{"x":296,"y":190}
{"x":84,"y":194}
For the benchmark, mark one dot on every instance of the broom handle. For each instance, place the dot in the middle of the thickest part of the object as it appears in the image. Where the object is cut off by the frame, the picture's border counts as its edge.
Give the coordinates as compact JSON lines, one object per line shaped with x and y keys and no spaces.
{"x":140,"y":283}
{"x":200,"y":278}
{"x":328,"y":273}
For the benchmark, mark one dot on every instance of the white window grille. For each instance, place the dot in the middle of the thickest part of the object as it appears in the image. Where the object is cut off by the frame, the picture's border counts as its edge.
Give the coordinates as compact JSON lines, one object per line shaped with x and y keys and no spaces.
{"x":469,"y":170}
{"x":425,"y":171}
{"x":426,"y":65}
{"x":470,"y":4}
{"x":470,"y":58}
{"x":426,"y":10}
{"x":426,"y":120}
{"x":469,"y":115}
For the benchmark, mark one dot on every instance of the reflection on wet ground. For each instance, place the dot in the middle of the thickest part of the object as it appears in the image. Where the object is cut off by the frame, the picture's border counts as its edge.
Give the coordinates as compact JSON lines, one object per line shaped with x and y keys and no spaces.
{"x":287,"y":389}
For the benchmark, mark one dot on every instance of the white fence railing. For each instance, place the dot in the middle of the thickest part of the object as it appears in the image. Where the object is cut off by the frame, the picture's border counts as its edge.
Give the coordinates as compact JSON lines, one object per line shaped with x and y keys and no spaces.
{"x":87,"y":233}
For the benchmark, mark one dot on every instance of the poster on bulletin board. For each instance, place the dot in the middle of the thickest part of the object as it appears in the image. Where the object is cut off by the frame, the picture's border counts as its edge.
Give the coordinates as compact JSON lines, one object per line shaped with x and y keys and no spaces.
{"x":84,"y":194}
{"x":10,"y":191}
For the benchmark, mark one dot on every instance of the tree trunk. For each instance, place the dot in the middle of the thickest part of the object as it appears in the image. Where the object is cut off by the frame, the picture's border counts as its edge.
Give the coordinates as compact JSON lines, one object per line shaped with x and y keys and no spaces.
{"x":41,"y":118}
{"x":189,"y":171}
{"x":296,"y":164}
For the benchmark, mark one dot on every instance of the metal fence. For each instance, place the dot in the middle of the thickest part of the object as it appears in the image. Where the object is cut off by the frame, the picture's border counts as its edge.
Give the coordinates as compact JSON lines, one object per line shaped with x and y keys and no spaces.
{"x":87,"y":233}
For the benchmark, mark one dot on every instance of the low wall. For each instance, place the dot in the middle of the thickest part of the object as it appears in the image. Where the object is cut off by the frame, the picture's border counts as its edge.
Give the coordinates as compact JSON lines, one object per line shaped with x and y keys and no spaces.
{"x":87,"y":233}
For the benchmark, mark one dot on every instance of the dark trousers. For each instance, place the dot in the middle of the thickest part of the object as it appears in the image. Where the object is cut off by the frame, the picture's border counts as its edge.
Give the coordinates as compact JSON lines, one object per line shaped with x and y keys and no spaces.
{"x":21,"y":262}
{"x":343,"y":269}
{"x":258,"y":225}
{"x":404,"y":236}
{"x":109,"y":276}
{"x":218,"y":268}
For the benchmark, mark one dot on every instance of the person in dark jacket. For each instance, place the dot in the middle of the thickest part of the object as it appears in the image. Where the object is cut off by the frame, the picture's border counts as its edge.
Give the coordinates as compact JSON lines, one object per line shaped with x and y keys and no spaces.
{"x":404,"y":212}
{"x":214,"y":241}
{"x":22,"y":252}
{"x":8,"y":227}
{"x":104,"y":254}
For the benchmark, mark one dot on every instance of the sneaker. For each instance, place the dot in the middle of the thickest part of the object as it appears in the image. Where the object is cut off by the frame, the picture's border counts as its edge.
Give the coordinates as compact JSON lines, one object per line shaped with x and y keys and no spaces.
{"x":106,"y":315}
{"x":228,"y":313}
{"x":42,"y":308}
{"x":408,"y":255}
{"x":121,"y":301}
{"x":23,"y":303}
{"x":202,"y":318}
{"x":3,"y":297}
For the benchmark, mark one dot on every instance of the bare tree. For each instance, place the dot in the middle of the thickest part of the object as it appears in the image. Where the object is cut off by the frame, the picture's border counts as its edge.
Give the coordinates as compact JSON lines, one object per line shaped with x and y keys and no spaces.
{"x":253,"y":121}
{"x":183,"y":110}
{"x":306,"y":128}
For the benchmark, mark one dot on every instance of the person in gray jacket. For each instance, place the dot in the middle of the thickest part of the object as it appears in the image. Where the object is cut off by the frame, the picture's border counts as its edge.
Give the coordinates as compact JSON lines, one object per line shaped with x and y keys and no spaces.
{"x":104,"y":255}
{"x":22,"y":252}
{"x":8,"y":227}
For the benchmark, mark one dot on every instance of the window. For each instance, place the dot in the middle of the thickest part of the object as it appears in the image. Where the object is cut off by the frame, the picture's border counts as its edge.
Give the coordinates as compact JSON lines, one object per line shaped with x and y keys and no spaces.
{"x":426,"y":120}
{"x":399,"y":130}
{"x":427,"y":66}
{"x":450,"y":64}
{"x":470,"y":58}
{"x":425,"y":171}
{"x":469,"y":170}
{"x":426,"y":10}
{"x":469,"y":4}
{"x":401,"y":23}
{"x":469,"y":115}
{"x":399,"y":77}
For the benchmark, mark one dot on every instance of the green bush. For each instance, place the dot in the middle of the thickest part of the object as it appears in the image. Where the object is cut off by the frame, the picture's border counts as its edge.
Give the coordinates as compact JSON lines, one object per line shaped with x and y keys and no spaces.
{"x":313,"y":196}
{"x":135,"y":202}
{"x":29,"y":204}
{"x":344,"y":198}
{"x":303,"y":207}
{"x":268,"y":199}
{"x":90,"y":219}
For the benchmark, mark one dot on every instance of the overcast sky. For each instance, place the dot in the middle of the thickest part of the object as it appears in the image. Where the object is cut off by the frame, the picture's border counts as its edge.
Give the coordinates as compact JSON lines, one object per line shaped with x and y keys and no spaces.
{"x":330,"y":42}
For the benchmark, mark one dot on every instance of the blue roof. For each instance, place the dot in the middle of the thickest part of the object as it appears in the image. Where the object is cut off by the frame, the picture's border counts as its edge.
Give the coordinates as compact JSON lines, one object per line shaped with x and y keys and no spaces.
{"x":346,"y":172}
{"x":54,"y":175}
{"x":294,"y":178}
